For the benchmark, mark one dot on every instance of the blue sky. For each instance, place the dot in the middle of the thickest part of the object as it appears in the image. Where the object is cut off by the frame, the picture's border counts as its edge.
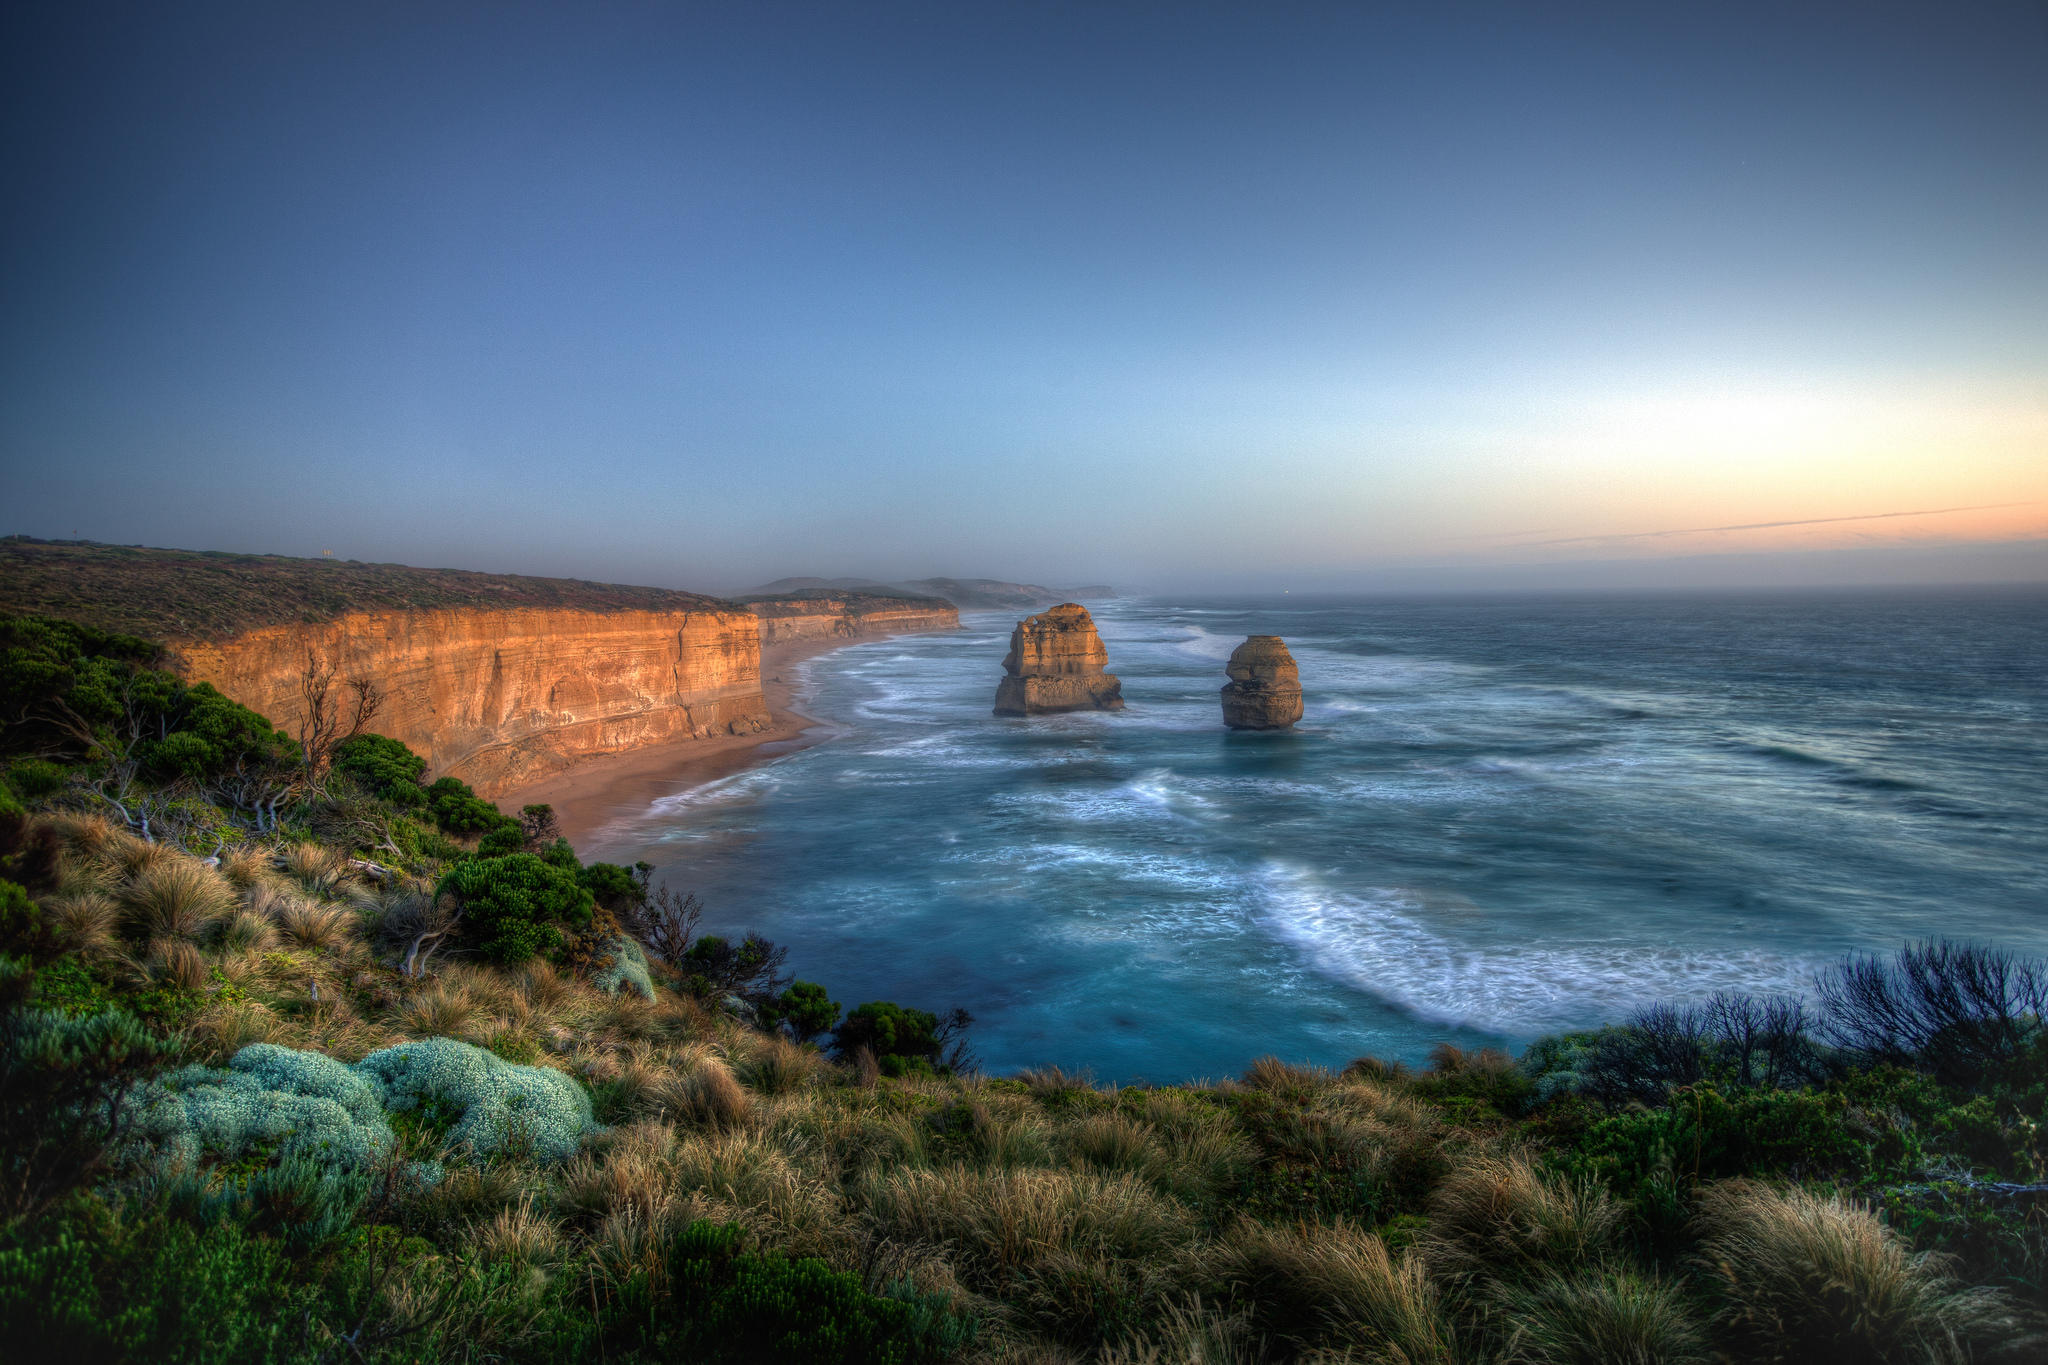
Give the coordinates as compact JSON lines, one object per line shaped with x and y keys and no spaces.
{"x":1254,"y":295}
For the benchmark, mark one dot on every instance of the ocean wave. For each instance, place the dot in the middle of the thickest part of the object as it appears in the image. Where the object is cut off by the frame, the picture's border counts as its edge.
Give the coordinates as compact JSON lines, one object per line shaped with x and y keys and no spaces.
{"x":1380,"y":942}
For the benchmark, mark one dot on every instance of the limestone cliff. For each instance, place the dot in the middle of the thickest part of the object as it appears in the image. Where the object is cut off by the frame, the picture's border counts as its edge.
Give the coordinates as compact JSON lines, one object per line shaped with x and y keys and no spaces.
{"x":500,"y":698}
{"x":1264,"y":691}
{"x":1055,"y":663}
{"x":795,"y":617}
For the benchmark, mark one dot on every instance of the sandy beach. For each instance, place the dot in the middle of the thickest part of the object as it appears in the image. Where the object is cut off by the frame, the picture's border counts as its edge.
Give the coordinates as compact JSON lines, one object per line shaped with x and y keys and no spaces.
{"x":589,"y":796}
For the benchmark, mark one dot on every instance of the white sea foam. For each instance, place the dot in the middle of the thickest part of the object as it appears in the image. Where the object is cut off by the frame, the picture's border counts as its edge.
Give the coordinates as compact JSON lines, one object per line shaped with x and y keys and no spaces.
{"x":1381,"y":941}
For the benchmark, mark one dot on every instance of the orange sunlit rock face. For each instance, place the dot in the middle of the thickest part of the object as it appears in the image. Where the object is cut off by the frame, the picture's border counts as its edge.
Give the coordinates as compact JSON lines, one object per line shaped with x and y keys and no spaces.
{"x":501,"y":698}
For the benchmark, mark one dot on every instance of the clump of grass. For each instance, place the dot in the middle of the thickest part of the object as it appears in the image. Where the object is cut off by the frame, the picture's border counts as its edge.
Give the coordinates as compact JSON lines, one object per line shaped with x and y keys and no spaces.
{"x":175,"y":962}
{"x":174,"y":897}
{"x":1284,"y":1078}
{"x":248,"y":931}
{"x":702,"y":1091}
{"x":1817,"y":1279}
{"x":247,"y":867}
{"x":317,"y":927}
{"x":773,"y":1065}
{"x":84,"y":921}
{"x":320,"y":871}
{"x":1500,"y":1216}
{"x":1607,"y":1317}
{"x":1189,"y":1332}
{"x":1055,"y":1083}
{"x":520,"y":1236}
{"x":226,"y":1029}
{"x":1115,"y":1142}
{"x":1078,"y":1252}
{"x":443,"y":1009}
{"x":1336,"y":1285}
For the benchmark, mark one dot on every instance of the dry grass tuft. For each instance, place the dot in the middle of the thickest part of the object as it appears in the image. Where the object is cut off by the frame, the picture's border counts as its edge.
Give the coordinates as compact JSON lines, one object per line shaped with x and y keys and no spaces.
{"x":316,"y":927}
{"x":1190,"y":1333}
{"x":1818,"y":1279}
{"x":174,"y":897}
{"x":248,"y":931}
{"x":1115,"y":1142}
{"x":519,"y":1236}
{"x":175,"y":962}
{"x":701,"y":1090}
{"x":247,"y":866}
{"x":545,"y":988}
{"x":224,"y":1030}
{"x":1603,"y":1318}
{"x":1052,"y":1082}
{"x":1501,"y":1216}
{"x":773,"y":1065}
{"x":84,"y":921}
{"x":1270,"y":1073}
{"x":444,"y":1009}
{"x":1336,"y":1285}
{"x":319,"y":870}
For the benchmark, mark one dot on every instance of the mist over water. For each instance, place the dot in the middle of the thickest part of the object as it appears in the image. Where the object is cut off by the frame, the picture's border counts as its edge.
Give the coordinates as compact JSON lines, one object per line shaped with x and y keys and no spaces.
{"x":1497,"y":819}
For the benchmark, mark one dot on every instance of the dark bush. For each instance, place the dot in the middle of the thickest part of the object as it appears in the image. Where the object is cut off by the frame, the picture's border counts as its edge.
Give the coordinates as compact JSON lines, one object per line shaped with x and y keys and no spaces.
{"x":614,"y":887}
{"x":750,"y":969}
{"x":905,"y":1040}
{"x":459,"y":810}
{"x":804,"y":1009}
{"x":65,"y":1087}
{"x":516,"y":907}
{"x":385,"y":766}
{"x":713,"y":1302}
{"x":1965,"y":1013}
{"x":500,"y":840}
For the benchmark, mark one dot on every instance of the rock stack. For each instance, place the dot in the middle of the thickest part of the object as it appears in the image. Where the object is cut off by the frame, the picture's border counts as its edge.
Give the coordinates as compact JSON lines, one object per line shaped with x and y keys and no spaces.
{"x":1055,"y":664}
{"x":1264,"y":691}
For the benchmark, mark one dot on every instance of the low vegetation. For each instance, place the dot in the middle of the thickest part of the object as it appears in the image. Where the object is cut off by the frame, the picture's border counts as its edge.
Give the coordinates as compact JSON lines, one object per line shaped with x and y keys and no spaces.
{"x":376,"y":1072}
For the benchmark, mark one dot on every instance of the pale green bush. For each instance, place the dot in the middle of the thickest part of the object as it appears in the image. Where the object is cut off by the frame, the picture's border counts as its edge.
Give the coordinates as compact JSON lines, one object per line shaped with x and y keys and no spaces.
{"x":501,"y":1106}
{"x":275,"y":1099}
{"x":626,"y":966}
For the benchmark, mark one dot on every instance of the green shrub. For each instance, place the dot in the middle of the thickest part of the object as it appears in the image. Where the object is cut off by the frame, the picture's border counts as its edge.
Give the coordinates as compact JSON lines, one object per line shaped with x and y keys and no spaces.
{"x":804,"y":1009}
{"x":36,"y":778}
{"x":714,"y":1303}
{"x":625,"y":964}
{"x":384,"y":766}
{"x":902,"y":1040}
{"x":459,"y":810}
{"x":501,"y":839}
{"x":517,"y":906}
{"x":268,"y":1100}
{"x":91,"y":1288}
{"x":499,"y":1108}
{"x":66,"y":1094}
{"x":614,"y":887}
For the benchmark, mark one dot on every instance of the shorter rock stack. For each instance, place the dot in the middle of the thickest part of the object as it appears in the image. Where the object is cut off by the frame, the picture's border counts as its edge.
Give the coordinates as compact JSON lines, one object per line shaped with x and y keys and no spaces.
{"x":1055,"y":664}
{"x":1264,"y":691}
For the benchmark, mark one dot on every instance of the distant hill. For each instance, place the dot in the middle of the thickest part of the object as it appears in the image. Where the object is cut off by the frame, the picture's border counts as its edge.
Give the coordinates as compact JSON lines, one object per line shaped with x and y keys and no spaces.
{"x":971,"y":594}
{"x":211,"y":595}
{"x":800,"y":601}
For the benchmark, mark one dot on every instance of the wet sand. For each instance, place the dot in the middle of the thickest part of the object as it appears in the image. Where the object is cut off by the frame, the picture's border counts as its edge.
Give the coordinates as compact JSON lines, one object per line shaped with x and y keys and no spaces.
{"x":598,"y":790}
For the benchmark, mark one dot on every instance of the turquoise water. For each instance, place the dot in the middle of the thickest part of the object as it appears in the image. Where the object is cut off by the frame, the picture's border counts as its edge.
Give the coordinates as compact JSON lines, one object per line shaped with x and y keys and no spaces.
{"x":1497,"y":819}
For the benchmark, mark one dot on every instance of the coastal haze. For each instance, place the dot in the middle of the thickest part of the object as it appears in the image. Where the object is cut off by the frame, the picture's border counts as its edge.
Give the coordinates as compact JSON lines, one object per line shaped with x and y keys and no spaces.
{"x":1182,"y":298}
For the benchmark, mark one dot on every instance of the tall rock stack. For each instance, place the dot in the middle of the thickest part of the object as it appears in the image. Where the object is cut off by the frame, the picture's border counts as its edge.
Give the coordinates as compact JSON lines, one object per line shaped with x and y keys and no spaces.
{"x":1264,"y":691}
{"x":1055,"y":664}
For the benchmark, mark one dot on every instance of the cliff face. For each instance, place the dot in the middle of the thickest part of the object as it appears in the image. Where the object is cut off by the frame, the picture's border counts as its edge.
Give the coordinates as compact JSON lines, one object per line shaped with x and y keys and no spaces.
{"x":1055,"y":664}
{"x":501,"y":698}
{"x":828,"y":616}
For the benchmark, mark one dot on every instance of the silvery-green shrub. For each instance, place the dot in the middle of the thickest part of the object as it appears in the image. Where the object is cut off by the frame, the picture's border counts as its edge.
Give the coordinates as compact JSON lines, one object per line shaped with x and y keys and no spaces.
{"x":501,"y":1105}
{"x":295,"y":1104}
{"x":626,"y":966}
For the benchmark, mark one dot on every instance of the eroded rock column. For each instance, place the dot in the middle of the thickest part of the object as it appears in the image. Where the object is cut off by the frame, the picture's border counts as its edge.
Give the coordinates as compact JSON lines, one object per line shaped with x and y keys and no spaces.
{"x":1055,"y":664}
{"x":1264,"y":691}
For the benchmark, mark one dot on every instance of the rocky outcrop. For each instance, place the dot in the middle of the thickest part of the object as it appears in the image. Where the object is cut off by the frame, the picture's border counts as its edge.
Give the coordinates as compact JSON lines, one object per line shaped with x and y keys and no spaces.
{"x":503,"y":698}
{"x":793,"y":618}
{"x":1264,"y":691}
{"x":1055,"y":664}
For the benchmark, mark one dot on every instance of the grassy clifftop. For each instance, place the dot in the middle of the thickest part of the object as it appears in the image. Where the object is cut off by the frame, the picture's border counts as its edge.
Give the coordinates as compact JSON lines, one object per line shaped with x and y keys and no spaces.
{"x":210,"y":595}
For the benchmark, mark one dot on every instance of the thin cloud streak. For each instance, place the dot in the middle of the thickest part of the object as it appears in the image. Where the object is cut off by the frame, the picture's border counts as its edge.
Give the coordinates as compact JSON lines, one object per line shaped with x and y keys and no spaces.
{"x":1773,"y":525}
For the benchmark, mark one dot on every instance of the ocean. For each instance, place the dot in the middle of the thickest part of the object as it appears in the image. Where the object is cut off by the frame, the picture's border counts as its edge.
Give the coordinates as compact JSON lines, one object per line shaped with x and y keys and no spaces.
{"x":1498,"y":818}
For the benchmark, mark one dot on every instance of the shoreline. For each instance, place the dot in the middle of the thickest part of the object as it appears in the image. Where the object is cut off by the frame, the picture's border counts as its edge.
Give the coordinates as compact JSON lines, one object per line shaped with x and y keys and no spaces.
{"x":595,"y":792}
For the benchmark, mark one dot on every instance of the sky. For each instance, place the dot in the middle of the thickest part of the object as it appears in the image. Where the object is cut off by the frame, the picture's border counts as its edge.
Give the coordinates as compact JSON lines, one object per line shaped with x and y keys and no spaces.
{"x":1168,"y":296}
